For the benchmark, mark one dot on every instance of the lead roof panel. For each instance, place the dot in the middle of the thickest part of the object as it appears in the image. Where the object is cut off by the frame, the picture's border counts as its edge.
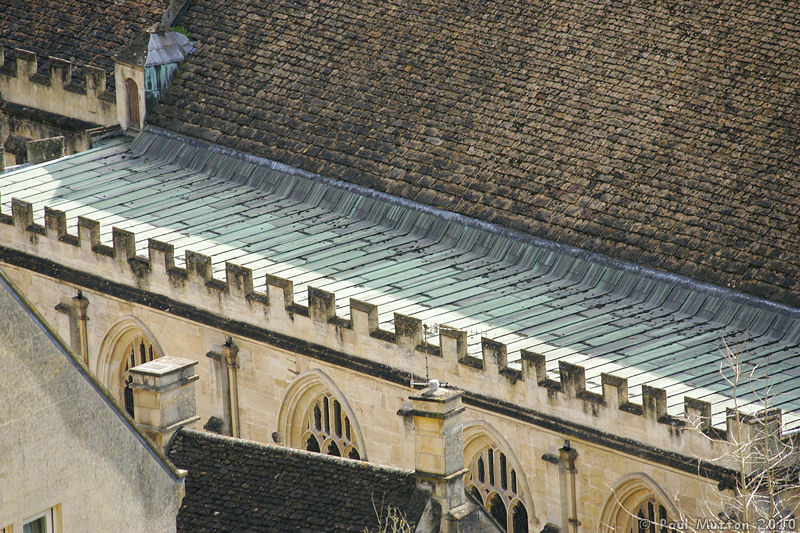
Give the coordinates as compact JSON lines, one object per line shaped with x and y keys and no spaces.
{"x":651,"y":327}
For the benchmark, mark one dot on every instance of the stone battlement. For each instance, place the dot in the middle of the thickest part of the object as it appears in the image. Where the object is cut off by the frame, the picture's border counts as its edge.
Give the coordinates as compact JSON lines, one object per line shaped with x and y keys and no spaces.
{"x":492,"y":379}
{"x":56,"y":91}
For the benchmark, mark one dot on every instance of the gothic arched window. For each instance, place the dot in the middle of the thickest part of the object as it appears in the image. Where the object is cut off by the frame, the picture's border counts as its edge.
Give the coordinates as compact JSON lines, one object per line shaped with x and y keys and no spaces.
{"x":651,"y":517}
{"x":132,"y":103}
{"x":327,"y":428}
{"x":139,"y":351}
{"x":128,"y":343}
{"x":638,"y":505}
{"x":316,"y":416}
{"x":493,"y":482}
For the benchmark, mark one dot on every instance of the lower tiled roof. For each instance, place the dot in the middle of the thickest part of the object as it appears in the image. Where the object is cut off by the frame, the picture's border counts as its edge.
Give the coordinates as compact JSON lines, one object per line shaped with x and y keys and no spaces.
{"x":236,"y":485}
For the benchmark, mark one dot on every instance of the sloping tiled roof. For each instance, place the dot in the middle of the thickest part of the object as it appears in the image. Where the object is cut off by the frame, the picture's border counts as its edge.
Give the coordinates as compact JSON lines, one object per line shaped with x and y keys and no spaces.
{"x":666,"y":134}
{"x":237,"y":485}
{"x":651,"y":328}
{"x":85,"y":32}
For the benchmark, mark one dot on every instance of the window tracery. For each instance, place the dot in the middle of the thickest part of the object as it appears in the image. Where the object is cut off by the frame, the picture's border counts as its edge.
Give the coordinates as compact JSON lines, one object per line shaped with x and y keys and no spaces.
{"x":638,"y":505}
{"x":651,"y":517}
{"x":328,"y":429}
{"x":493,"y":482}
{"x":139,"y":351}
{"x":312,"y":399}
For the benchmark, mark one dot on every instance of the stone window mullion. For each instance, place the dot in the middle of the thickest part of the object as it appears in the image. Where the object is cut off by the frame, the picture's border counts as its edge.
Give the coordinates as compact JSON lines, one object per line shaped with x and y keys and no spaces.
{"x":139,"y":351}
{"x":330,"y":426}
{"x":493,"y":481}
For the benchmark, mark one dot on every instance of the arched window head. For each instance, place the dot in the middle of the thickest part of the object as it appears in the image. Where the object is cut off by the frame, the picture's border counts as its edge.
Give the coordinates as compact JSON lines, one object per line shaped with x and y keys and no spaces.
{"x":132,"y":103}
{"x":139,"y":351}
{"x":638,"y":505}
{"x":493,"y":482}
{"x":312,"y":444}
{"x":315,"y":416}
{"x":127,"y":344}
{"x":327,"y":428}
{"x":497,"y":508}
{"x":519,"y":517}
{"x":495,"y":477}
{"x":651,"y":517}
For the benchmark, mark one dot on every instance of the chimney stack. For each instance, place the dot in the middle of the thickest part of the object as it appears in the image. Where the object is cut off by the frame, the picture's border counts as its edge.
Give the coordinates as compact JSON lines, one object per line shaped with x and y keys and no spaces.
{"x":163,"y":397}
{"x":439,"y":452}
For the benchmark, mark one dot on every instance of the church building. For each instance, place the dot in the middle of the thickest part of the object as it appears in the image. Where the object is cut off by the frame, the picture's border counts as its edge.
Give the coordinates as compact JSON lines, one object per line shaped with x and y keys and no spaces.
{"x":528,"y":267}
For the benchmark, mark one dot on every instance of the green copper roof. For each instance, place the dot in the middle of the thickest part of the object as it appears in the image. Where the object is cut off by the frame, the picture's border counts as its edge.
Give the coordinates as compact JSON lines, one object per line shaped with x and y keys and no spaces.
{"x":650,"y":327}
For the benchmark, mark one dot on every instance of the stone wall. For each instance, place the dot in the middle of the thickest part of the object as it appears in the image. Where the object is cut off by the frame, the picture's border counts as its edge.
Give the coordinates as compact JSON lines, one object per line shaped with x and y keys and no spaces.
{"x":233,"y":307}
{"x":64,"y":446}
{"x":23,"y":121}
{"x":189,"y":314}
{"x":54,"y":91}
{"x":288,"y":352}
{"x":266,"y":374}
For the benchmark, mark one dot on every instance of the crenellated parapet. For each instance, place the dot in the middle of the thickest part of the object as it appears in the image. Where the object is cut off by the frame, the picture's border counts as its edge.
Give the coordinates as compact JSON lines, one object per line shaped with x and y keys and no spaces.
{"x":493,"y":374}
{"x":57,"y":90}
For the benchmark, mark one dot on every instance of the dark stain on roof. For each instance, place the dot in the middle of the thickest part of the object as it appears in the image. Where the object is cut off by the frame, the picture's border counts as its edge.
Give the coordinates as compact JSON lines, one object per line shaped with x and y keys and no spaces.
{"x":666,"y":134}
{"x":236,"y":485}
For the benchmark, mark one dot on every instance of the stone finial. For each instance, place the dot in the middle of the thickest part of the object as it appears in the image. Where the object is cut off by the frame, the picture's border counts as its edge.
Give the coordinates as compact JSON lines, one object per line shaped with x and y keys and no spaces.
{"x":321,"y":304}
{"x":163,"y":396}
{"x":453,"y":343}
{"x":573,"y":378}
{"x":364,"y":316}
{"x":124,"y":244}
{"x":55,"y":223}
{"x":95,"y":80}
{"x":21,"y":213}
{"x":739,"y":425}
{"x":767,"y":428}
{"x":494,"y":353}
{"x":198,"y":267}
{"x":88,"y":233}
{"x":239,"y":279}
{"x":453,"y":347}
{"x":280,"y":291}
{"x":654,"y":402}
{"x":26,"y":63}
{"x":60,"y":72}
{"x":408,"y":331}
{"x":161,"y":254}
{"x":770,"y":420}
{"x":615,"y":390}
{"x":697,"y":412}
{"x":534,"y":365}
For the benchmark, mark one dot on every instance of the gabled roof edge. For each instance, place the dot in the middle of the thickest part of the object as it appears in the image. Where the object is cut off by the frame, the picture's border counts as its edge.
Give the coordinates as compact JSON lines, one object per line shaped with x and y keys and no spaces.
{"x":175,"y":473}
{"x":228,"y":440}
